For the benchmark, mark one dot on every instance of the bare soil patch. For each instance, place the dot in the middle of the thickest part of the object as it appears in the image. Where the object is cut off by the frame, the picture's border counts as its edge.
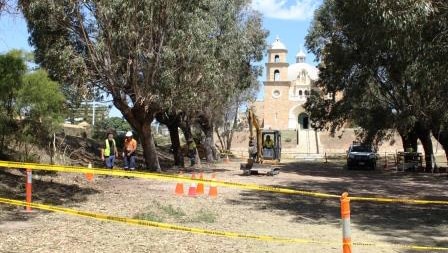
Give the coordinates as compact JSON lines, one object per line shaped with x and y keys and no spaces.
{"x":234,"y":210}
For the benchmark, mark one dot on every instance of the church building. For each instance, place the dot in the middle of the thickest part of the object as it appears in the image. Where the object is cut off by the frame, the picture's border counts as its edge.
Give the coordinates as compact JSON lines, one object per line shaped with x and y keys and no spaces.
{"x":286,"y":90}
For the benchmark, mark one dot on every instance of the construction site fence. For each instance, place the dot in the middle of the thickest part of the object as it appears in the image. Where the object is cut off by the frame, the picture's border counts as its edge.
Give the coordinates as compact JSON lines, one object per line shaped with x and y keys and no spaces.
{"x":346,"y":244}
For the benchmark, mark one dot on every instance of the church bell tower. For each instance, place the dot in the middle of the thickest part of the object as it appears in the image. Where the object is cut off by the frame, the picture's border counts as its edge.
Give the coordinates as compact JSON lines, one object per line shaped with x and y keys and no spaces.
{"x":276,"y":86}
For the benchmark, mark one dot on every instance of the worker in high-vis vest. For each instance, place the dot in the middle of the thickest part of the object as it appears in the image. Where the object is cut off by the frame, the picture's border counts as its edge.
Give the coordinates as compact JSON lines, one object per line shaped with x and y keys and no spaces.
{"x":109,"y":151}
{"x":129,"y":152}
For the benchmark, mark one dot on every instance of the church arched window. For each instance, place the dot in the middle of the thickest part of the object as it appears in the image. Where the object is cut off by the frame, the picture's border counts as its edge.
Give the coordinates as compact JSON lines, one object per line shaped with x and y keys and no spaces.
{"x":277,"y":58}
{"x":307,"y":93}
{"x":276,"y":75}
{"x":300,"y":93}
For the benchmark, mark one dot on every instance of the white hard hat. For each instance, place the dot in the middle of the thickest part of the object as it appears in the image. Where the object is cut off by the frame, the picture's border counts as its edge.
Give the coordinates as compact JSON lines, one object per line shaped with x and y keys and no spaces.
{"x":129,"y":134}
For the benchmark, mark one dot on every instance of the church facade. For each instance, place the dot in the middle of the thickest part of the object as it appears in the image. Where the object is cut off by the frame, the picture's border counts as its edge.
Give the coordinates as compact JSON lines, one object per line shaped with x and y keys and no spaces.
{"x":286,"y":90}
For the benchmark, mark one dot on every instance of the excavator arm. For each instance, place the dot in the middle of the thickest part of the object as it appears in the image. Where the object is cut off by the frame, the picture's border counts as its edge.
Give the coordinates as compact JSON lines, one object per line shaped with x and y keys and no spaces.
{"x":254,"y":123}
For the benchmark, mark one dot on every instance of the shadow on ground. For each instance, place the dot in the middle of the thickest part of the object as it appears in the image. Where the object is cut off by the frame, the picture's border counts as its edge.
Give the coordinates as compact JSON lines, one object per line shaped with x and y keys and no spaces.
{"x":400,"y":223}
{"x":12,"y":186}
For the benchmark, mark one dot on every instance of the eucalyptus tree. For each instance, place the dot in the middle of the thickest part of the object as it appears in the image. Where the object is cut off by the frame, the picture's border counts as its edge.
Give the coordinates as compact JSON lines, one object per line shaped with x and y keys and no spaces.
{"x":12,"y":69}
{"x":206,"y":86}
{"x":242,"y":42}
{"x":147,"y":55}
{"x":30,"y":105}
{"x":374,"y":56}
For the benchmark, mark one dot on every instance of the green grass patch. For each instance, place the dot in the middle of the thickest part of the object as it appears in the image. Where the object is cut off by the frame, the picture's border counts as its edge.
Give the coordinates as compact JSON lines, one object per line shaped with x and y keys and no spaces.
{"x":150,"y":216}
{"x":204,"y":216}
{"x":161,"y":212}
{"x":171,"y":211}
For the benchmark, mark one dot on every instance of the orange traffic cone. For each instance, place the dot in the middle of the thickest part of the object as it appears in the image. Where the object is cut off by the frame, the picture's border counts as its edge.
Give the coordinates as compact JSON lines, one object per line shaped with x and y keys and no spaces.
{"x":213,"y":192}
{"x":89,"y":176}
{"x":179,"y":187}
{"x":200,"y":188}
{"x":226,"y":160}
{"x":192,"y":189}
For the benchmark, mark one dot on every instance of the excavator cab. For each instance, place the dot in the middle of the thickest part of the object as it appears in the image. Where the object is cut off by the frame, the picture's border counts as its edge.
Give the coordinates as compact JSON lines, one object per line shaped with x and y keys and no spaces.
{"x":265,"y":148}
{"x":271,"y":151}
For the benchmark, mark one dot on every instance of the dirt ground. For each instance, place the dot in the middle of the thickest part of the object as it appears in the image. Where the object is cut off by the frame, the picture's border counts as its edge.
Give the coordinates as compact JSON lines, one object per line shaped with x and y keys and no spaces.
{"x":234,"y":210}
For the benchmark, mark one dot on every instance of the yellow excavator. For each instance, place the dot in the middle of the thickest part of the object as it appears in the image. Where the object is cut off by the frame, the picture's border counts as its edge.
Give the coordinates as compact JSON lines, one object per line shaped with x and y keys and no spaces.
{"x":264,"y":148}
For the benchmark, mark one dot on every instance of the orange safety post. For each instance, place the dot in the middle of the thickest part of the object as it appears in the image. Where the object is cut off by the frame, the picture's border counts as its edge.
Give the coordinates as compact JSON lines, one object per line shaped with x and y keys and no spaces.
{"x":345,"y":215}
{"x":213,"y":191}
{"x":200,"y":187}
{"x":28,"y":189}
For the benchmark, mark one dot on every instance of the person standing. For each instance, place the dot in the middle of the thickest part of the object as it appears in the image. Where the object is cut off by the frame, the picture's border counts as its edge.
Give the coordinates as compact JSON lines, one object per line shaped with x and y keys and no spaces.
{"x":130,"y":146}
{"x":109,"y":151}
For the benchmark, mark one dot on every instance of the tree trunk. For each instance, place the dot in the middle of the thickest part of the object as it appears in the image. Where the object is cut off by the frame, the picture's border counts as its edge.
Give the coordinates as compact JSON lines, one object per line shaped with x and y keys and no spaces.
{"x":232,"y":129}
{"x":175,"y":145}
{"x":206,"y":124}
{"x":185,"y":126}
{"x":149,"y":148}
{"x":442,"y":137}
{"x":140,"y":118}
{"x":208,"y":145}
{"x":2,"y":144}
{"x":172,"y":120}
{"x":211,"y":153}
{"x":409,"y":140}
{"x":424,"y":135}
{"x":219,"y":138}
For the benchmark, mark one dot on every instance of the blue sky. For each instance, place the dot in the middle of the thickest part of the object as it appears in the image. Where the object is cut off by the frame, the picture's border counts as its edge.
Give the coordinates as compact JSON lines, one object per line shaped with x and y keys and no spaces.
{"x":289,"y":19}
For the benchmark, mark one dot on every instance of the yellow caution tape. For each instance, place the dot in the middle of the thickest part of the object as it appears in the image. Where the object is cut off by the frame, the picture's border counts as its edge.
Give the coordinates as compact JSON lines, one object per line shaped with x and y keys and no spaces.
{"x":401,"y":200}
{"x":159,"y":225}
{"x":158,"y":176}
{"x":172,"y":227}
{"x":166,"y":177}
{"x":399,"y":246}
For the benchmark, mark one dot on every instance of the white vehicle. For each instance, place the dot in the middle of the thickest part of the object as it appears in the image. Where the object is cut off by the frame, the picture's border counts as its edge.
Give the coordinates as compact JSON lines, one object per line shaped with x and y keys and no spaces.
{"x":361,"y":156}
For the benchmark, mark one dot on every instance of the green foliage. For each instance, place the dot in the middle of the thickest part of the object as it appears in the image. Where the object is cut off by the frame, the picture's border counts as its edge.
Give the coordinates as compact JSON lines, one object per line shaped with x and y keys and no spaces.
{"x":40,"y":98}
{"x":149,"y":55}
{"x":382,"y":59}
{"x":12,"y":68}
{"x":114,"y":123}
{"x":171,"y":211}
{"x":31,"y":105}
